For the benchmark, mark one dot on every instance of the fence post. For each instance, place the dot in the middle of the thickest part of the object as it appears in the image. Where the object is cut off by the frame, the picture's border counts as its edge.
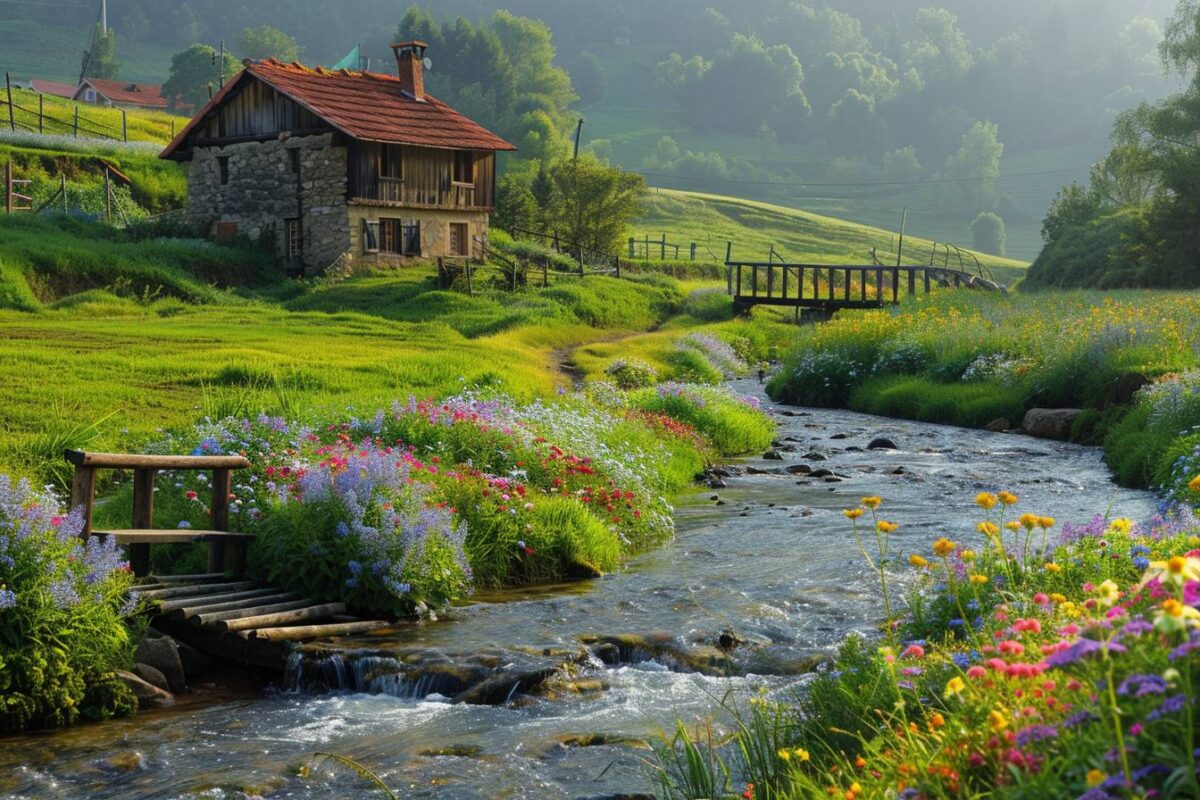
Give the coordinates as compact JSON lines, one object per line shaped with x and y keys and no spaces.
{"x":124,"y":125}
{"x":581,"y":270}
{"x":664,"y":247}
{"x":8,"y":179}
{"x":12,"y":120}
{"x":631,"y":255}
{"x":693,"y":251}
{"x":41,"y":112}
{"x":63,"y":188}
{"x":107,"y":197}
{"x":76,"y":122}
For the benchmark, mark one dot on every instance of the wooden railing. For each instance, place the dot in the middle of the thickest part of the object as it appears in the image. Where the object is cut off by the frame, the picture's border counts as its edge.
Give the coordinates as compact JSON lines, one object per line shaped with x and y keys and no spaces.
{"x":832,"y":287}
{"x":395,"y":190}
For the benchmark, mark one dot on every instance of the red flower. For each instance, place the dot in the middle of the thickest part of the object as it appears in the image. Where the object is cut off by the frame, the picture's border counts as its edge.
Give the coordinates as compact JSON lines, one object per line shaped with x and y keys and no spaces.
{"x":190,"y":495}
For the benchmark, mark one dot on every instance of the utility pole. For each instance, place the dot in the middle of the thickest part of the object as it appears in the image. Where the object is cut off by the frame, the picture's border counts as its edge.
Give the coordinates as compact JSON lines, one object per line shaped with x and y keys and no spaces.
{"x":900,"y":249}
{"x":221,"y":82}
{"x":104,"y":17}
{"x":578,"y":133}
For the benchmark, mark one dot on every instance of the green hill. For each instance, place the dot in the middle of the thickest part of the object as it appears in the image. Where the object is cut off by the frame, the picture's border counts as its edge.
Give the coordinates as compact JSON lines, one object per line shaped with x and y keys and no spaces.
{"x":798,"y":236}
{"x":30,"y":49}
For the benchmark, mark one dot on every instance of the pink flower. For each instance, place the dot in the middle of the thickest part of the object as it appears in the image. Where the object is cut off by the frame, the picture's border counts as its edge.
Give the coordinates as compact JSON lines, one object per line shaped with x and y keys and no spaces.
{"x":976,"y":672}
{"x":1012,"y":647}
{"x":913,"y":651}
{"x":1027,"y":626}
{"x":1135,"y":729}
{"x":1041,"y":598}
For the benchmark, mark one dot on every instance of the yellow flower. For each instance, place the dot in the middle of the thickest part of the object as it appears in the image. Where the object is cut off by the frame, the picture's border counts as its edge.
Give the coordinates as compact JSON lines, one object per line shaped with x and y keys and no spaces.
{"x":1177,"y":570}
{"x":979,"y":580}
{"x":801,"y":754}
{"x":1030,"y":521}
{"x":944,"y":548}
{"x":1095,"y":777}
{"x":968,"y":555}
{"x":1175,"y":616}
{"x":936,"y":720}
{"x":1108,"y":592}
{"x":872,"y":502}
{"x":1013,"y":525}
{"x":1046,"y":522}
{"x":988,"y":529}
{"x":986,"y":500}
{"x":1121,"y":525}
{"x":1194,"y":541}
{"x":785,"y":754}
{"x":1052,"y":567}
{"x":853,"y":513}
{"x":1008,"y":498}
{"x":918,"y":562}
{"x":883,"y":526}
{"x":1058,"y":597}
{"x":1194,"y":484}
{"x":954,"y":686}
{"x":997,"y":720}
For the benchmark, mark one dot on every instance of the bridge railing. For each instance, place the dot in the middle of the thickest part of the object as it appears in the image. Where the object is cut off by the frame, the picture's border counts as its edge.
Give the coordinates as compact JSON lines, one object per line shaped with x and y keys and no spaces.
{"x":835,"y":286}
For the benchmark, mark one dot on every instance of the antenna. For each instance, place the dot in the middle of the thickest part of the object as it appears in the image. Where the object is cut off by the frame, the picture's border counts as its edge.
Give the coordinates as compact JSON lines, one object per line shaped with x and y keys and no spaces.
{"x":428,"y":62}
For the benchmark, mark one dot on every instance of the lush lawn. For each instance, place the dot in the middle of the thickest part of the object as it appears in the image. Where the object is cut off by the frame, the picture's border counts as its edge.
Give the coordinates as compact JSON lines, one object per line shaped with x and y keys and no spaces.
{"x":799,"y":236}
{"x":968,"y":359}
{"x":58,"y":117}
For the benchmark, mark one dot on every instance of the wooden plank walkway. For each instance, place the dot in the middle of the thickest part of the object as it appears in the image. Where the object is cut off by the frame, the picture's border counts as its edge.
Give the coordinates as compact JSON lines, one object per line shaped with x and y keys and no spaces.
{"x":245,"y":621}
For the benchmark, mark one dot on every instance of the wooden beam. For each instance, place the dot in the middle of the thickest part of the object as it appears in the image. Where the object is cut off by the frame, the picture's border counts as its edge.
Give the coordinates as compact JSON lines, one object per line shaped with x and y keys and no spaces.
{"x":314,"y":631}
{"x":83,"y":495}
{"x":197,"y":605}
{"x":268,"y":604}
{"x":127,"y":461}
{"x":279,"y":619}
{"x":199,"y":591}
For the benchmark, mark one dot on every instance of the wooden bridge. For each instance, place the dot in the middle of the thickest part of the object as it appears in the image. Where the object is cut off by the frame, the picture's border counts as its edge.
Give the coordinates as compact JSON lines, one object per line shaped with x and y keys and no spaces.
{"x":833,"y":287}
{"x":219,"y":612}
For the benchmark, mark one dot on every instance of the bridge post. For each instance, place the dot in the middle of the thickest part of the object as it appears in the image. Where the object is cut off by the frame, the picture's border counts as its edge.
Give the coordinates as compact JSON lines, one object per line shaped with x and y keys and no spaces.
{"x":927,"y":287}
{"x":83,"y":495}
{"x":832,"y":281}
{"x":143,"y":519}
{"x":912,"y":282}
{"x":896,"y":286}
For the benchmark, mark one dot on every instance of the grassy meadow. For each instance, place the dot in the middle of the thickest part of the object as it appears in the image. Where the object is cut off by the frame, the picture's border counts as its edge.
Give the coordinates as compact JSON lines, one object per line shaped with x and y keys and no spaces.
{"x":53,"y":52}
{"x":58,"y":117}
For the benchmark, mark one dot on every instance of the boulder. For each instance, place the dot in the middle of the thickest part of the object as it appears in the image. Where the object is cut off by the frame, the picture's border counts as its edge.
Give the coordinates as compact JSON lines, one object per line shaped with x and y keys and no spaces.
{"x":1050,"y":423}
{"x":151,"y":676}
{"x":195,"y":663}
{"x":882,"y":443}
{"x":163,"y":654}
{"x":798,"y":469}
{"x":148,"y":696}
{"x":840,"y":436}
{"x":998,"y":425}
{"x":773,"y":455}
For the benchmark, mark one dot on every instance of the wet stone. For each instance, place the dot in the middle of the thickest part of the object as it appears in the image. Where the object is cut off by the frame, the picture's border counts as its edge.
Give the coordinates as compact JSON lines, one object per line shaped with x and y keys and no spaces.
{"x":798,"y":469}
{"x":773,"y":455}
{"x":840,"y":436}
{"x":882,"y":443}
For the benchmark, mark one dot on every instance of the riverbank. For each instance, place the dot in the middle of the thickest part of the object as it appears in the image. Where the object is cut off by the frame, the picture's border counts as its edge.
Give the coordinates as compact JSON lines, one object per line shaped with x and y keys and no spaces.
{"x":769,"y":559}
{"x":1126,"y":360}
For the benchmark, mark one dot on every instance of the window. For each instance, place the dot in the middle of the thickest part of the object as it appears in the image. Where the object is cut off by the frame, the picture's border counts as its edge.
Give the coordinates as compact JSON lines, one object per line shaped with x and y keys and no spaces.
{"x":464,"y":167}
{"x":396,"y":236}
{"x":459,"y":243}
{"x":293,"y":237}
{"x":223,"y":166}
{"x":370,"y":236}
{"x":90,"y":95}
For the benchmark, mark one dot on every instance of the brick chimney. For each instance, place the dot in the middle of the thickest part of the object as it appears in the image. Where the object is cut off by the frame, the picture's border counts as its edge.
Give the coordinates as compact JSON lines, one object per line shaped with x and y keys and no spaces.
{"x":410,"y":60}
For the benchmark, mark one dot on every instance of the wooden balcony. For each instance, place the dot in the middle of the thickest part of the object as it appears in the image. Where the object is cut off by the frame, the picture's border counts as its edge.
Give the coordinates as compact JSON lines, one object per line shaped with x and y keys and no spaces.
{"x":395,"y":192}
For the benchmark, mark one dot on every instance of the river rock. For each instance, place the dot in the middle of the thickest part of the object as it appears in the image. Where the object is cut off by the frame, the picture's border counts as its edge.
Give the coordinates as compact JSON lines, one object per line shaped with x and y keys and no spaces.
{"x":815,"y":456}
{"x":840,"y":436}
{"x":773,"y":455}
{"x":151,"y":676}
{"x":998,"y":425}
{"x":129,"y":761}
{"x":717,"y":483}
{"x":148,"y":695}
{"x":820,"y":473}
{"x":163,"y":654}
{"x":195,"y":663}
{"x":882,"y":443}
{"x":1050,"y":423}
{"x":798,"y":469}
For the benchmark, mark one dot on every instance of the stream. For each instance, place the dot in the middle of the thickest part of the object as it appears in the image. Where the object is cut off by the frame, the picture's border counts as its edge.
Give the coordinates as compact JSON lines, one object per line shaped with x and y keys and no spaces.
{"x":563,"y":685}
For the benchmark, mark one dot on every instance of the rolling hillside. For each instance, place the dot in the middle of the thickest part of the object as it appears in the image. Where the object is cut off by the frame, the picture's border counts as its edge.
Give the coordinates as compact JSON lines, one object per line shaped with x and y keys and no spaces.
{"x":713,"y":220}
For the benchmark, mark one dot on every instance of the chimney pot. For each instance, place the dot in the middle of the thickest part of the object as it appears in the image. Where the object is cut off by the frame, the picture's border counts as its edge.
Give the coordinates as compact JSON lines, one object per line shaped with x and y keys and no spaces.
{"x":410,"y":58}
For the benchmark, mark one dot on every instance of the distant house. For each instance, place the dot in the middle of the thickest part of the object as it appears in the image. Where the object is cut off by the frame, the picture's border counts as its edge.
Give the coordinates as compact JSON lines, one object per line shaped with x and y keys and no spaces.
{"x":53,"y":88}
{"x":121,"y":94}
{"x":333,"y":164}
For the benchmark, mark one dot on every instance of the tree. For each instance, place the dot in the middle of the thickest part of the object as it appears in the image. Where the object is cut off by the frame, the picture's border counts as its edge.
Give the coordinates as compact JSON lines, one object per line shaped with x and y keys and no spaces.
{"x":1073,"y":206}
{"x":102,"y":58}
{"x":195,"y":73}
{"x":902,"y":165}
{"x":938,"y":50}
{"x":516,"y":207}
{"x":1127,"y":176}
{"x":976,"y":167}
{"x":592,"y":204}
{"x":854,"y":128}
{"x":589,"y":78}
{"x":267,"y":42}
{"x":988,"y":234}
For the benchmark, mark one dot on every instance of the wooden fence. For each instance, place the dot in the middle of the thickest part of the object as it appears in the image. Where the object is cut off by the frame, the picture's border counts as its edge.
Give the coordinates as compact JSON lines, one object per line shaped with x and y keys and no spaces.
{"x":660,"y":248}
{"x":77,"y":125}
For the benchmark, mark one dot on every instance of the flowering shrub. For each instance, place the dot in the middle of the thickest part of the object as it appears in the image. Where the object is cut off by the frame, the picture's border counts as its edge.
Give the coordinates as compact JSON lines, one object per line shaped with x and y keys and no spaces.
{"x":631,"y":373}
{"x":1046,"y":666}
{"x":720,"y":355}
{"x":63,"y":606}
{"x":410,"y":507}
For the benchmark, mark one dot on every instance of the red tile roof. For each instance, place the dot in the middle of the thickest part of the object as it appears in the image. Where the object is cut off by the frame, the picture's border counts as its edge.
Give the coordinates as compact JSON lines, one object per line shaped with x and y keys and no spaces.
{"x":364,"y":105}
{"x":139,"y":94}
{"x":53,"y":88}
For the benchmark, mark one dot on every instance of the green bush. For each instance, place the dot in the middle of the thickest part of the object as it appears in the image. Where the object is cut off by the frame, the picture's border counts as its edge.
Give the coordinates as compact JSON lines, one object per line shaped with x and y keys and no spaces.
{"x":63,"y":607}
{"x":690,"y":366}
{"x":734,"y":425}
{"x":913,"y":397}
{"x":631,"y":373}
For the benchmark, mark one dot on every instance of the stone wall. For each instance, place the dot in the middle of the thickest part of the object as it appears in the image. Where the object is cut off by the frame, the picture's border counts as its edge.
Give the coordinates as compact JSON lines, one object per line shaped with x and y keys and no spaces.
{"x":264,"y":189}
{"x":435,"y":230}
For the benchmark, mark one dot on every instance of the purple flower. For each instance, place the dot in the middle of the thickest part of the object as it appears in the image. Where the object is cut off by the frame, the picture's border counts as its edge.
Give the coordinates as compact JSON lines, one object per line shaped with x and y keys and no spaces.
{"x":8,"y":598}
{"x":1142,"y":685}
{"x":1036,"y":733}
{"x":1172,"y":705}
{"x":1080,"y":650}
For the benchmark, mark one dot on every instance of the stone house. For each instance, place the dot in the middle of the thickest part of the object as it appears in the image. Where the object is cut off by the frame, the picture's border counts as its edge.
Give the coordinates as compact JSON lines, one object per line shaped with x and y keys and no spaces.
{"x":336,"y":165}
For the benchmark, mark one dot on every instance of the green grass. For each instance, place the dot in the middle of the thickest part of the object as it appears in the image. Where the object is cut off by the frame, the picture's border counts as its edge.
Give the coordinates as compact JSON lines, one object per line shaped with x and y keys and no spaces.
{"x":799,"y":236}
{"x":58,"y":117}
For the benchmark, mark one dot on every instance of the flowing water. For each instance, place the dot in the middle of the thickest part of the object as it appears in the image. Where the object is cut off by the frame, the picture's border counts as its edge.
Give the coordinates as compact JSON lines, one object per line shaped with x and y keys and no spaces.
{"x":772,"y":562}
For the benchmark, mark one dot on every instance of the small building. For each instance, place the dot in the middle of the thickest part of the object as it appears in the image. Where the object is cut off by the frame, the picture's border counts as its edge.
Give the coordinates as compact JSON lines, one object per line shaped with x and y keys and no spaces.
{"x":52,"y":88}
{"x":336,"y":164}
{"x":121,"y":94}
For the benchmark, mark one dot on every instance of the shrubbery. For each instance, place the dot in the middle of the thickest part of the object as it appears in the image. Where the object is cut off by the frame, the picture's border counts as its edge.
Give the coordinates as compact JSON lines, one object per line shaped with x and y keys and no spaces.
{"x":63,"y":610}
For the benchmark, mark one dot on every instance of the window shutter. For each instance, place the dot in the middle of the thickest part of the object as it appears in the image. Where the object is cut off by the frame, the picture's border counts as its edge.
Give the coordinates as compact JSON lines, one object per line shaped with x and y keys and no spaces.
{"x":370,"y":236}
